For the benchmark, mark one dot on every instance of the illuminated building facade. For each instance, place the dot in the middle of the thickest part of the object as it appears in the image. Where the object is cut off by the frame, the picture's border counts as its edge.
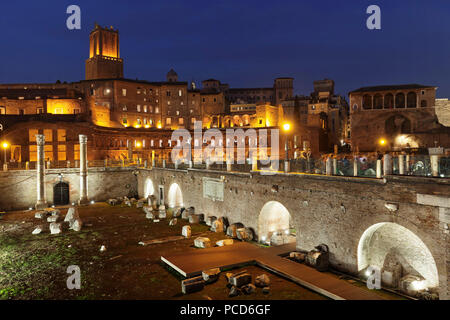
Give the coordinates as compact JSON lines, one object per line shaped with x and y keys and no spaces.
{"x":400,"y":116}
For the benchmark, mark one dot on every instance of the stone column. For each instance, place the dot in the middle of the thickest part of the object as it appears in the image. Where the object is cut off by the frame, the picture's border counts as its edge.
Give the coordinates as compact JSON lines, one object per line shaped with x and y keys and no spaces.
{"x":254,"y":162}
{"x":379,"y":165}
{"x":207,"y":161}
{"x":387,"y":164}
{"x":164,"y":163}
{"x":401,"y":164}
{"x":83,"y":170}
{"x":328,"y":166}
{"x":434,"y":165}
{"x":41,"y":203}
{"x":407,"y":163}
{"x":355,"y":167}
{"x":335,"y":166}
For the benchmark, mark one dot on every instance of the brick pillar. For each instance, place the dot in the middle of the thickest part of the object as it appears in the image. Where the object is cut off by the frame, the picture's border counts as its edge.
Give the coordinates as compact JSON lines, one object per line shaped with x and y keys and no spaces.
{"x":83,"y":171}
{"x":41,"y":203}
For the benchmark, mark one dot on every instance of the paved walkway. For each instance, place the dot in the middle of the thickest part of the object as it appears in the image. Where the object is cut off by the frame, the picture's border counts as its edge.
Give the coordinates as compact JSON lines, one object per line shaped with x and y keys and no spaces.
{"x":192,"y":261}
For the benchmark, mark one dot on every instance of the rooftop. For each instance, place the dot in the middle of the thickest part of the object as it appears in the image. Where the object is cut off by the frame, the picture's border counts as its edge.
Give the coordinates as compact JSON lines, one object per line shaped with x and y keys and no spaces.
{"x":392,"y":87}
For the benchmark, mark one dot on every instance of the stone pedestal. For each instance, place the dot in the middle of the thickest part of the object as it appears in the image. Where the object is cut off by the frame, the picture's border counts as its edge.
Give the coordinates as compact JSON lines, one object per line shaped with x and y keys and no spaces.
{"x":228,"y":165}
{"x":287,"y":166}
{"x":401,"y":164}
{"x":387,"y":165}
{"x":355,"y":167}
{"x":328,"y":167}
{"x":434,"y":165}
{"x":83,"y":171}
{"x":407,"y":163}
{"x":379,"y":173}
{"x":41,"y":203}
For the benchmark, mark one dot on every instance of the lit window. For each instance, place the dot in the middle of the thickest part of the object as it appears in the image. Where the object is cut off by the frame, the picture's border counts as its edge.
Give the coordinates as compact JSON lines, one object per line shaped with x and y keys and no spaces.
{"x":124,"y":108}
{"x":124,"y":92}
{"x":180,"y":92}
{"x":145,"y":108}
{"x":168,"y":121}
{"x":178,"y":113}
{"x":156,"y":110}
{"x":160,"y":143}
{"x":180,"y":121}
{"x":152,"y":143}
{"x":138,"y":108}
{"x":168,"y":103}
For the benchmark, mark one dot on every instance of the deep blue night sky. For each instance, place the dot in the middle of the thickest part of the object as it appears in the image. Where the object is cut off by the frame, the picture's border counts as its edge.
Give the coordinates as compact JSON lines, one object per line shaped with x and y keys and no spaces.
{"x":244,"y":43}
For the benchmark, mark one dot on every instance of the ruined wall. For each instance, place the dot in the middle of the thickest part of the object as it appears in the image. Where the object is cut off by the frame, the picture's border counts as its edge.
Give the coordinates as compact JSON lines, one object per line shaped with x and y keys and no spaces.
{"x":331,"y":210}
{"x":18,"y":188}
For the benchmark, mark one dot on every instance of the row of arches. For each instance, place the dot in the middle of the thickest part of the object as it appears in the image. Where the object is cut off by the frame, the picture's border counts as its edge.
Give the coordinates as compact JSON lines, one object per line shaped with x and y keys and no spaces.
{"x":381,"y":244}
{"x":390,"y":101}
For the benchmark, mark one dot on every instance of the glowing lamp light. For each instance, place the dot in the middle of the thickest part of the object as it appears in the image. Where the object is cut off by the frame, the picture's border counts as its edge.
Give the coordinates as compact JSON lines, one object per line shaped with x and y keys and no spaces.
{"x":286,"y":127}
{"x":418,"y":285}
{"x":286,"y":231}
{"x":30,"y":208}
{"x":367,"y":273}
{"x":147,"y":126}
{"x":137,"y":126}
{"x":5,"y":145}
{"x":92,"y":201}
{"x":382,"y":142}
{"x":263,"y":238}
{"x":138,"y":144}
{"x":159,"y":126}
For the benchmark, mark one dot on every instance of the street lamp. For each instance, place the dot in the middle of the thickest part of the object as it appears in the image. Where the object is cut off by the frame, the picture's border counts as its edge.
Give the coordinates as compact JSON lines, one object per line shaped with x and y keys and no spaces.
{"x":286,"y":129}
{"x":5,"y":146}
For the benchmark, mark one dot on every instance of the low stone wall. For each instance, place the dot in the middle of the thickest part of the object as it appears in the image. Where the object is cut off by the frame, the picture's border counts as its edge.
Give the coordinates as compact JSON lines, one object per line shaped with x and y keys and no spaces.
{"x":18,"y":188}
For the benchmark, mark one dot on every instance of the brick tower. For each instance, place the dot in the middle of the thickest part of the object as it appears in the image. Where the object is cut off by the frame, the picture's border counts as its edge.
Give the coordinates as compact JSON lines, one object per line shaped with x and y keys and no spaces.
{"x":104,"y":60}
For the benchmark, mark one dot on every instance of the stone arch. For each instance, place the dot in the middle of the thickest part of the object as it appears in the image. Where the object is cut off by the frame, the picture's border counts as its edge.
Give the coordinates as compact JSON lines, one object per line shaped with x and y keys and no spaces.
{"x":378,"y":101}
{"x":400,"y":100}
{"x":273,"y":217}
{"x":175,"y":196}
{"x":149,"y":188}
{"x":367,"y":101}
{"x":411,"y":100}
{"x":389,"y":101}
{"x":391,"y":240}
{"x":397,"y":124}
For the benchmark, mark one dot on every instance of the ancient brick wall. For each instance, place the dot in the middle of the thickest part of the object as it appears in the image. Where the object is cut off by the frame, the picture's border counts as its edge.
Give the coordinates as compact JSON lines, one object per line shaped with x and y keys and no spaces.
{"x":331,"y":210}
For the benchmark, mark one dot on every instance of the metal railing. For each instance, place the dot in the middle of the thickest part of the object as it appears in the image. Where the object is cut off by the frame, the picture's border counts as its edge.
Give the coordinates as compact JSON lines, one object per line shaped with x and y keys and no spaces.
{"x":339,"y":165}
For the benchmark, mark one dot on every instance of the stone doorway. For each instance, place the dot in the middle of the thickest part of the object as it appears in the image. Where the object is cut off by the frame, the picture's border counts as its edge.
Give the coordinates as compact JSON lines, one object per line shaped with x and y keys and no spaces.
{"x":61,"y":194}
